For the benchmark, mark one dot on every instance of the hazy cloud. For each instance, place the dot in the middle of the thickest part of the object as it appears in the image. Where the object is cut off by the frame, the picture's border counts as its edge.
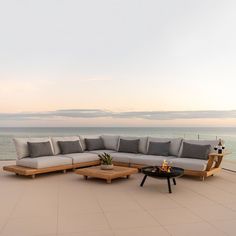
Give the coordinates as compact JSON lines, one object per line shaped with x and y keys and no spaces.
{"x":97,"y":79}
{"x":99,"y":113}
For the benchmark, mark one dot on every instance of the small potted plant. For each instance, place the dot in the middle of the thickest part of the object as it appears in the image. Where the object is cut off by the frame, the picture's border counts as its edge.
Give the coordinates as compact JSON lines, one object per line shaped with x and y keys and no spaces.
{"x":106,"y":161}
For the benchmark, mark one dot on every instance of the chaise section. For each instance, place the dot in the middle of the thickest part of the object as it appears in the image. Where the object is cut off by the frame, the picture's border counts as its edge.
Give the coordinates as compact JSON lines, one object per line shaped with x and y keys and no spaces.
{"x":194,"y":162}
{"x":44,"y":162}
{"x":32,"y":166}
{"x":190,"y":164}
{"x":21,"y":145}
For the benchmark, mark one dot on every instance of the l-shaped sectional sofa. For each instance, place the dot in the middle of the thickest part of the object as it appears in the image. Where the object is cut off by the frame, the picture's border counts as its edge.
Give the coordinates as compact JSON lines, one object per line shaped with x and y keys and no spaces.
{"x":28,"y":166}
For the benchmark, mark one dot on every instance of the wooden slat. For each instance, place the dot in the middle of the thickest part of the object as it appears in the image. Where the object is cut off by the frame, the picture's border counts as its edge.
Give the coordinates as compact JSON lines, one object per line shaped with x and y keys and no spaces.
{"x":84,"y":164}
{"x":138,"y":166}
{"x":212,"y":171}
{"x":194,"y":173}
{"x":210,"y":162}
{"x":220,"y":155}
{"x":120,"y":163}
{"x":31,"y":171}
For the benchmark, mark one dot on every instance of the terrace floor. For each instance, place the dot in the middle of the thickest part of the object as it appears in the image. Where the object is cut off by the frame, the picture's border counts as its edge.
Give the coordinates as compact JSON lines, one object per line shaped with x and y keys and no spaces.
{"x":67,"y":205}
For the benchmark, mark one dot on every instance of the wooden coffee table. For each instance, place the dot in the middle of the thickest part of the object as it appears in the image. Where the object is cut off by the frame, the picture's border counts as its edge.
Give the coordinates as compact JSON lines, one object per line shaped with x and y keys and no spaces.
{"x":108,"y":175}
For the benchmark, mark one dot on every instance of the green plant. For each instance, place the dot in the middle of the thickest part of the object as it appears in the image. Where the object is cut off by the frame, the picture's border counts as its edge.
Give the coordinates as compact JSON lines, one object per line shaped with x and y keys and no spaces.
{"x":105,"y":159}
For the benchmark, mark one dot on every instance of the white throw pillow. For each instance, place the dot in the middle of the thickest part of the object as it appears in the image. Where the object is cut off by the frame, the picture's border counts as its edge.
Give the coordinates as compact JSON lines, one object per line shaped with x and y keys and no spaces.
{"x":199,"y":142}
{"x":56,"y":139}
{"x":110,"y":141}
{"x":22,"y":146}
{"x":142,"y":143}
{"x":175,"y":144}
{"x":82,"y":141}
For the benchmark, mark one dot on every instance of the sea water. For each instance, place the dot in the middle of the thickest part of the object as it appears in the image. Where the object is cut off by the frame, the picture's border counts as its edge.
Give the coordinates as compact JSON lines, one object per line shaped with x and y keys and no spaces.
{"x":7,"y":150}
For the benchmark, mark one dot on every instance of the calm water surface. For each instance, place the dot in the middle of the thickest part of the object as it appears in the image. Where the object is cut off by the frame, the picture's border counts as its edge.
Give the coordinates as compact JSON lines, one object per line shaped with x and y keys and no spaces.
{"x":7,"y":150}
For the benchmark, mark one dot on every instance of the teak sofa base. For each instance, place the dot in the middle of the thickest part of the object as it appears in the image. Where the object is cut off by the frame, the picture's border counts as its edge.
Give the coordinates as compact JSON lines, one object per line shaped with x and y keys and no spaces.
{"x":85,"y":164}
{"x":213,"y":167}
{"x":26,"y":171}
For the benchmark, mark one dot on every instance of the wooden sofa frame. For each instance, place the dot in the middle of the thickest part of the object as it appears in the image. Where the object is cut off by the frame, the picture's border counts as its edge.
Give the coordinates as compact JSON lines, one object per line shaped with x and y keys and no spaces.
{"x":213,"y":167}
{"x":26,"y":171}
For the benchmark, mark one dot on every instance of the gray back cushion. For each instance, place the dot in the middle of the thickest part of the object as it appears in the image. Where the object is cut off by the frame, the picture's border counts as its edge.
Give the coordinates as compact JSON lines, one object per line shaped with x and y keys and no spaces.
{"x":55,"y":142}
{"x":94,"y":144}
{"x":195,"y":151}
{"x":175,"y":144}
{"x":212,"y":143}
{"x":82,"y":140}
{"x":67,"y":147}
{"x":159,"y":148}
{"x":130,"y":146}
{"x":110,"y":141}
{"x":142,"y":148}
{"x":40,"y":149}
{"x":21,"y":145}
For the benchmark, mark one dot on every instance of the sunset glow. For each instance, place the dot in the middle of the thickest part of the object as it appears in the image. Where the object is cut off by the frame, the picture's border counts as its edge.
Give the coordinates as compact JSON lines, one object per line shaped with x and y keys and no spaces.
{"x":135,"y":56}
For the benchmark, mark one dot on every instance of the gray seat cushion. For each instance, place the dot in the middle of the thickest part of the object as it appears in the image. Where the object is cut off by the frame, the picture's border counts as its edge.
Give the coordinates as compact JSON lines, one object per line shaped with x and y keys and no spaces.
{"x":44,"y":162}
{"x":123,"y":157}
{"x":150,"y":160}
{"x":102,"y":151}
{"x":82,"y":157}
{"x":190,"y":164}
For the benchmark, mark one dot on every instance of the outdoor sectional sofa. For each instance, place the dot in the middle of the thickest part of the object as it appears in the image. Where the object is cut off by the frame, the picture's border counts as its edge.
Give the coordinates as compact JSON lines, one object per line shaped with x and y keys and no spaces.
{"x":28,"y":166}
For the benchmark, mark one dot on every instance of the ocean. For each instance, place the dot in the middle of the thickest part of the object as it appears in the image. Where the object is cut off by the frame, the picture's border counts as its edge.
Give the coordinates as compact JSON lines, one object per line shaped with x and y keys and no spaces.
{"x":7,"y":150}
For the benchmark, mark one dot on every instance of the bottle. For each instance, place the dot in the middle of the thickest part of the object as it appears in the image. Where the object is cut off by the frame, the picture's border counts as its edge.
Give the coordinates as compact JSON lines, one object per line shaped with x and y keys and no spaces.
{"x":220,"y":147}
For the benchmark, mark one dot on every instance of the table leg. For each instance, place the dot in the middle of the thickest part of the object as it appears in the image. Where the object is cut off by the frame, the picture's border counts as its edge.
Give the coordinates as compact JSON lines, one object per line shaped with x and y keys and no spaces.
{"x":143,"y":181}
{"x":127,"y":176}
{"x":169,"y":186}
{"x":174,"y":181}
{"x":85,"y":177}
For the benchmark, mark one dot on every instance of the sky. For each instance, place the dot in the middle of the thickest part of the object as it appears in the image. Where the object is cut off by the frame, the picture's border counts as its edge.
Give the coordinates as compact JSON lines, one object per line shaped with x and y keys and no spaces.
{"x":117,"y":63}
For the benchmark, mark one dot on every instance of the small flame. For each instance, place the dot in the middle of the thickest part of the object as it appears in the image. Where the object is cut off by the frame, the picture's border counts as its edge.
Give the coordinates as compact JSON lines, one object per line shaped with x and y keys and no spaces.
{"x":165,"y":166}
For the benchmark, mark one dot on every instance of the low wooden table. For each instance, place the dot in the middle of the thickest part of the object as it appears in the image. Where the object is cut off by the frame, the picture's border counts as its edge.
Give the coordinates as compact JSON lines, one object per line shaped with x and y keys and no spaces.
{"x":108,"y":175}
